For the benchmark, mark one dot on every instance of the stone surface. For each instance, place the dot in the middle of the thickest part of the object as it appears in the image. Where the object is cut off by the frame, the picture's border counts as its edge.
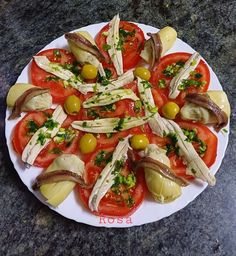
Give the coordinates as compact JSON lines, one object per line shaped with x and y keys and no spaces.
{"x":207,"y":226}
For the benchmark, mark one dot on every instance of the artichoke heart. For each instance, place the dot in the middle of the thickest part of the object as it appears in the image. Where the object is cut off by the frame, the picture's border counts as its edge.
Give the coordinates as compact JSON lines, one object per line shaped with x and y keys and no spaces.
{"x":56,"y":193}
{"x":162,"y":189}
{"x":39,"y":102}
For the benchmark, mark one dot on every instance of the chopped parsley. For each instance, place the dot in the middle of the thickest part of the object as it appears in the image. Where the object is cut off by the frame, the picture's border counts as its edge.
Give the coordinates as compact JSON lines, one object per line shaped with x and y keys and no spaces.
{"x":74,"y":68}
{"x":52,"y":78}
{"x":173,"y":69}
{"x":56,"y":54}
{"x":42,"y":137}
{"x":65,"y":135}
{"x":146,"y":84}
{"x":109,"y":135}
{"x":123,"y":34}
{"x":103,"y":80}
{"x":50,"y":124}
{"x":196,"y":75}
{"x":106,"y":47}
{"x":120,"y":125}
{"x":84,"y":124}
{"x":92,"y":113}
{"x":162,"y":83}
{"x":186,"y":83}
{"x":109,"y":108}
{"x":137,"y":106}
{"x":193,"y":138}
{"x":172,"y":147}
{"x":32,"y":127}
{"x":130,"y":201}
{"x":129,"y":180}
{"x":108,"y":73}
{"x":103,"y":157}
{"x":119,"y":164}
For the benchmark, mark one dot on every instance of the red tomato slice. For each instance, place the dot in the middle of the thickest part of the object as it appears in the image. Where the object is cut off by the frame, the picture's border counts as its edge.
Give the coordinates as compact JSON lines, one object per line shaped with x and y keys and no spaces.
{"x":172,"y":58}
{"x":203,"y":133}
{"x":112,"y":204}
{"x":207,"y":136}
{"x":40,"y":77}
{"x":132,"y":46}
{"x":21,"y":137}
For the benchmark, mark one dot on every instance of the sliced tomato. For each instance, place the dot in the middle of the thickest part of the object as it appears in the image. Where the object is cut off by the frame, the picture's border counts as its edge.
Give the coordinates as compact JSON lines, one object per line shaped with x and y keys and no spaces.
{"x":21,"y":137}
{"x":173,"y":58}
{"x":203,"y":133}
{"x":131,"y":48}
{"x":41,"y":78}
{"x":113,"y":204}
{"x":207,"y":136}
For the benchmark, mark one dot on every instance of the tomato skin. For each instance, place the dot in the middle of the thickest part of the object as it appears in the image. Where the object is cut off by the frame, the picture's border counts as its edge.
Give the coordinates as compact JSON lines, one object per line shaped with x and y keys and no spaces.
{"x":108,"y":206}
{"x":203,"y":133}
{"x":132,"y":47}
{"x":168,"y":60}
{"x":206,"y":135}
{"x":20,"y":139}
{"x":38,"y":76}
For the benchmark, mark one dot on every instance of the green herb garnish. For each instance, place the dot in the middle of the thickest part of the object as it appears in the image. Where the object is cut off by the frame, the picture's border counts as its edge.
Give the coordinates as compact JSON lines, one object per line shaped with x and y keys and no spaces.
{"x":173,"y":69}
{"x":51,"y":124}
{"x":192,"y":137}
{"x":56,"y":54}
{"x":32,"y":127}
{"x":103,"y":157}
{"x":42,"y":137}
{"x":120,"y":125}
{"x":186,"y":83}
{"x":52,"y":78}
{"x":106,"y":47}
{"x":162,"y":83}
{"x":146,"y":84}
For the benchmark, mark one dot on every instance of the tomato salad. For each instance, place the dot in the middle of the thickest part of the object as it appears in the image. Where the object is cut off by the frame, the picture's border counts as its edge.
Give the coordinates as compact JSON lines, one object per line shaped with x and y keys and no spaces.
{"x":110,"y":117}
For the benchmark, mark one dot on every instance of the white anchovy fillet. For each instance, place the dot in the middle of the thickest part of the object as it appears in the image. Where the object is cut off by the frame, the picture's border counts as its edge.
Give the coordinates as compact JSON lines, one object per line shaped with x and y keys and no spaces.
{"x":108,"y":174}
{"x":156,"y":123}
{"x":109,"y":125}
{"x":126,"y":78}
{"x":160,"y":126}
{"x":106,"y":98}
{"x":54,"y":68}
{"x":71,"y":79}
{"x":113,"y":41}
{"x":33,"y":148}
{"x":184,"y":73}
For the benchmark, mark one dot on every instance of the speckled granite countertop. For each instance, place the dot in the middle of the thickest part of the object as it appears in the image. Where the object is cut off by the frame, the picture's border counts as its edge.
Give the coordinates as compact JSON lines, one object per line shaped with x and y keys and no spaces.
{"x":205,"y":227}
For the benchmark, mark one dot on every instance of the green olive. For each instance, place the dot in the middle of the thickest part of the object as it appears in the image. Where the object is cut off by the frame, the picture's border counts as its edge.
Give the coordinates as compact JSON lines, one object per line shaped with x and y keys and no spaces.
{"x":170,"y":110}
{"x":87,"y":143}
{"x":143,"y":73}
{"x":72,"y":105}
{"x":139,"y":141}
{"x":89,"y":71}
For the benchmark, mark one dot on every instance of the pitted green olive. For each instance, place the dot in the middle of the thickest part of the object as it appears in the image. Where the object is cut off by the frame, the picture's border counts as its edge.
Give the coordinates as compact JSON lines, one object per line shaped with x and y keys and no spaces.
{"x":72,"y":105}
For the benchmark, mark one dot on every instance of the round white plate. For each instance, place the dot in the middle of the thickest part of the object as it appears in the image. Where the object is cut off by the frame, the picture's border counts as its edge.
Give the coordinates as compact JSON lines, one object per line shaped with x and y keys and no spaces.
{"x":149,"y":211}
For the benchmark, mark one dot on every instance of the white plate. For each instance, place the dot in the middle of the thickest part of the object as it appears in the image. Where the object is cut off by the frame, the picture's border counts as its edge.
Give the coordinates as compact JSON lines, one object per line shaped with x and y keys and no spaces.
{"x":149,"y":211}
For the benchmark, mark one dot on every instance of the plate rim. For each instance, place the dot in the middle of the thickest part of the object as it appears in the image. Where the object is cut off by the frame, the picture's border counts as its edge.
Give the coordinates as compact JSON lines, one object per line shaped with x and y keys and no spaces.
{"x":14,"y":157}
